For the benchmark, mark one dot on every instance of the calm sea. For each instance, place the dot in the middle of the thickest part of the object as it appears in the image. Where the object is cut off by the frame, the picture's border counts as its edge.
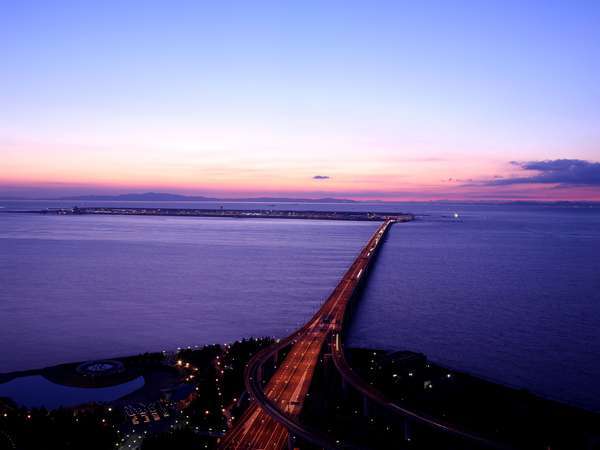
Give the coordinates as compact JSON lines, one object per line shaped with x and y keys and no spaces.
{"x":508,"y":292}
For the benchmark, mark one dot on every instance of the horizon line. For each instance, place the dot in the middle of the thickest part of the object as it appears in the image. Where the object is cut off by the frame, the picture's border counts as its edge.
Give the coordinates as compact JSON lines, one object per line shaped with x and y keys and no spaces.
{"x":284,"y":199}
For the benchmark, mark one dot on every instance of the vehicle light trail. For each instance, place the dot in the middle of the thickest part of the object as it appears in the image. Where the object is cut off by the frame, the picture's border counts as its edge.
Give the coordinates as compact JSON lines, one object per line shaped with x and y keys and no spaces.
{"x":288,"y":387}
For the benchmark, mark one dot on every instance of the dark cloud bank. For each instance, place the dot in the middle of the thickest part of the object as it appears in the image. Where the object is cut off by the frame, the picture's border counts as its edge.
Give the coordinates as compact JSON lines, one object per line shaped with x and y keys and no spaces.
{"x":321,"y":177}
{"x":564,"y":172}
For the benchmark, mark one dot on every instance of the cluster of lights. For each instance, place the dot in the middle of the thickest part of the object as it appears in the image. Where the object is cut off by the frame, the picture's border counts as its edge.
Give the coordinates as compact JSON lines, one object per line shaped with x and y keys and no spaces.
{"x":186,"y":365}
{"x":180,"y":363}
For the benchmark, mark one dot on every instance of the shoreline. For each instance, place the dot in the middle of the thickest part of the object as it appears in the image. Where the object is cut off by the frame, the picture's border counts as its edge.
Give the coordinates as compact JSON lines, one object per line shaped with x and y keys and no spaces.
{"x":186,"y":386}
{"x":141,"y":365}
{"x":187,"y":370}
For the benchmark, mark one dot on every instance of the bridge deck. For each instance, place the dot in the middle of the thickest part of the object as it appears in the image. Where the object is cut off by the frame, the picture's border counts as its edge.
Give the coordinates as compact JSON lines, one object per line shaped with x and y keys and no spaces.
{"x":288,"y":387}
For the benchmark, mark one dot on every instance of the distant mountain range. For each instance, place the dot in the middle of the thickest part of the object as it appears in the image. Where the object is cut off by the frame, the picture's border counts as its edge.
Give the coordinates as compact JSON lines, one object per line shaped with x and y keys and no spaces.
{"x":166,"y":197}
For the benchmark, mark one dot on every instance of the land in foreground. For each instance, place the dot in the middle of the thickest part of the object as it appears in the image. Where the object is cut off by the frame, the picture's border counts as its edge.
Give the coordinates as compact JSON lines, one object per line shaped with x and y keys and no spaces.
{"x":192,"y":397}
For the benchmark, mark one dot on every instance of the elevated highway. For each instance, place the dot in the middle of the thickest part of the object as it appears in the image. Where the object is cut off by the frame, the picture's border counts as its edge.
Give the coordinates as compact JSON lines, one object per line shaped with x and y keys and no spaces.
{"x":272,"y":419}
{"x":278,"y":405}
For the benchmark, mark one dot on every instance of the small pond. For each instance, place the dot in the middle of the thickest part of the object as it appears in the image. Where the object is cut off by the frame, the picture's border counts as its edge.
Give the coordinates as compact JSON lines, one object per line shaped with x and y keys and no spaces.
{"x":36,"y":391}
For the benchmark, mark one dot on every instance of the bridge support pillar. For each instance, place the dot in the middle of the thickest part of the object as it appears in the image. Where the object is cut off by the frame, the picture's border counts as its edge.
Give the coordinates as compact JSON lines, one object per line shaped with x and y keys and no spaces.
{"x":345,"y":392}
{"x":407,"y":431}
{"x":259,"y":374}
{"x":291,"y":441}
{"x":328,"y":369}
{"x":365,"y":407}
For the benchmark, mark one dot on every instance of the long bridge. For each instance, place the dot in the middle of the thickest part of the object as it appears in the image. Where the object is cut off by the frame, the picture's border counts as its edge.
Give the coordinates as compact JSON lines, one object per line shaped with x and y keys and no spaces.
{"x":272,"y":419}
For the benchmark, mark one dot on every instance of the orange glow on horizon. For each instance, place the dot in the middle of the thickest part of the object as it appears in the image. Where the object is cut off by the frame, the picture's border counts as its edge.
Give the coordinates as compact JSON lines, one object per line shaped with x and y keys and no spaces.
{"x":357,"y":174}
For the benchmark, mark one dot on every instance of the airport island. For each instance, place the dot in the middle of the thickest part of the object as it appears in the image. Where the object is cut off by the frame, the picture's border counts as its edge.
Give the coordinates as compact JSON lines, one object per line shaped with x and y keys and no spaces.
{"x":228,"y":213}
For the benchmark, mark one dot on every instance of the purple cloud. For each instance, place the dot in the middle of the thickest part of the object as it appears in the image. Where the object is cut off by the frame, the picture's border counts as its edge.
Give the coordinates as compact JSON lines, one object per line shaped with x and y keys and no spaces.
{"x":565,"y":172}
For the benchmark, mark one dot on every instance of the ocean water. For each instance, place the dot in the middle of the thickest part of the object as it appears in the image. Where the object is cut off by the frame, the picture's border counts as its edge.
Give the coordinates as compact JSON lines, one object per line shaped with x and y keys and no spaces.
{"x":508,"y":292}
{"x":86,"y":287}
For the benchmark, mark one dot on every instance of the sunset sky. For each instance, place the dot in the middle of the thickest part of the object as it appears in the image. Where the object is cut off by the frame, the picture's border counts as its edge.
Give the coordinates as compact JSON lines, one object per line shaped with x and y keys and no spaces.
{"x":396,"y":100}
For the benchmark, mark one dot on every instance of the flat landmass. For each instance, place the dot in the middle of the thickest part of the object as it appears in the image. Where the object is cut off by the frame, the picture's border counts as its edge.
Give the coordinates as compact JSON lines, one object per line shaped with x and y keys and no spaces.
{"x":232,"y":213}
